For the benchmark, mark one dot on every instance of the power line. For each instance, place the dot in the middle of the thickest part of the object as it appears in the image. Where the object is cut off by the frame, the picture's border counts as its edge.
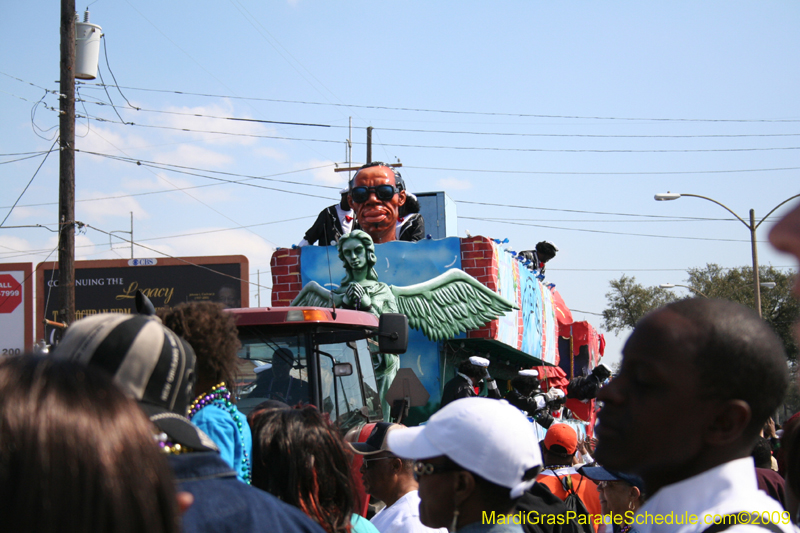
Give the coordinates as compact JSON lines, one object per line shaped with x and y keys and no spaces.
{"x":201,"y":115}
{"x":443,"y":147}
{"x":567,"y":173}
{"x":585,"y":312}
{"x":456,"y":112}
{"x":593,"y":220}
{"x":150,"y":193}
{"x":29,"y":183}
{"x":457,"y":132}
{"x":613,"y":232}
{"x":178,"y":258}
{"x":576,"y":211}
{"x":30,"y":83}
{"x":240,"y":182}
{"x":250,"y":177}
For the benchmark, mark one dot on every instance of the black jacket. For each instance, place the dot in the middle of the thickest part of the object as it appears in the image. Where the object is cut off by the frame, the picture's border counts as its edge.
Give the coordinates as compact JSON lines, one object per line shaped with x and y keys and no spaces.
{"x":528,"y":404}
{"x":327,"y":228}
{"x":538,"y":504}
{"x":459,"y":387}
{"x":412,"y":229}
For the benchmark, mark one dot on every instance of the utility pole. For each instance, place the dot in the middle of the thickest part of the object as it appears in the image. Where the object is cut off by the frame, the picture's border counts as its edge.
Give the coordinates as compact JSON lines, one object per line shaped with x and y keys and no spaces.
{"x":349,"y":168}
{"x":66,"y":180}
{"x":369,"y":144}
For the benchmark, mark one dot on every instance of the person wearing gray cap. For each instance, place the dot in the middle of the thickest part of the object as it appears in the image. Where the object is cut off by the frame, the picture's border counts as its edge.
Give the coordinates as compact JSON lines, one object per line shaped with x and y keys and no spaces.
{"x":155,"y":367}
{"x":474,"y":459}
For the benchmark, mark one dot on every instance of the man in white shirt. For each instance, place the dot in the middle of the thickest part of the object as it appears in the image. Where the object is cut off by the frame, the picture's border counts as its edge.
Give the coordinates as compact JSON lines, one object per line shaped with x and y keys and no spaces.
{"x":391,"y":480}
{"x":699,"y":378}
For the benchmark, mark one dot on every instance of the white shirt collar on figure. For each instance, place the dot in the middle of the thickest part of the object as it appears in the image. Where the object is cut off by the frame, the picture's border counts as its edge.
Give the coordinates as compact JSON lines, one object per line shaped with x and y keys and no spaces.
{"x":402,"y":517}
{"x":347,"y":225}
{"x":725,"y":489}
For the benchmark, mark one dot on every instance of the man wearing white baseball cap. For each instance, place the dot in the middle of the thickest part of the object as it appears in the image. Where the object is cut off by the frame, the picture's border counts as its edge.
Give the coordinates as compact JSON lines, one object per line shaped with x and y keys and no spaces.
{"x":474,"y":459}
{"x":469,"y":373}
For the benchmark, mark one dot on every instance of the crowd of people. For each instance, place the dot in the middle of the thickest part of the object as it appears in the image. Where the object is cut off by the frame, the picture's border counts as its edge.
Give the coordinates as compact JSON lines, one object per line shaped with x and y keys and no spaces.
{"x":130,"y":425}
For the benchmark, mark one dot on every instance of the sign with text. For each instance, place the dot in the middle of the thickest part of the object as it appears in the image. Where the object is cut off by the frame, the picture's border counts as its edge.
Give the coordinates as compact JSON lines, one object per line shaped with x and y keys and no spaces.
{"x":16,"y":308}
{"x":109,"y":286}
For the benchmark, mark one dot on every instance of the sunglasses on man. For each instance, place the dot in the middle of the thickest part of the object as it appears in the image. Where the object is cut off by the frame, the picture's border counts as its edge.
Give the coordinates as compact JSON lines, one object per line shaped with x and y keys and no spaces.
{"x":382,"y":192}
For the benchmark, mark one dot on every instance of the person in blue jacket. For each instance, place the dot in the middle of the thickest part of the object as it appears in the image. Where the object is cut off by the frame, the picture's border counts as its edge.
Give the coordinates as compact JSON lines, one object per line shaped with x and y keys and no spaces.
{"x":212,"y":334}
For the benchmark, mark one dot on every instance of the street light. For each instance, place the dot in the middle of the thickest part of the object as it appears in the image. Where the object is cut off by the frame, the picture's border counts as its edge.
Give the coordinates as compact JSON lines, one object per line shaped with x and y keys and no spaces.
{"x":752,"y":226}
{"x":673,"y":285}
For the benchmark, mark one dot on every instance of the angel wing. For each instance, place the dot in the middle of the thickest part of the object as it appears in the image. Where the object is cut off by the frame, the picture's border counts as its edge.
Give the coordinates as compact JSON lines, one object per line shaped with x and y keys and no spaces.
{"x":449,"y":303}
{"x":313,"y":295}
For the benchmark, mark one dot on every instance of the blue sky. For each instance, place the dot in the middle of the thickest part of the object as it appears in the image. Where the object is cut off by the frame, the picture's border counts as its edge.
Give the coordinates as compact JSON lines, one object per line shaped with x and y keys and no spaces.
{"x":577,"y":112}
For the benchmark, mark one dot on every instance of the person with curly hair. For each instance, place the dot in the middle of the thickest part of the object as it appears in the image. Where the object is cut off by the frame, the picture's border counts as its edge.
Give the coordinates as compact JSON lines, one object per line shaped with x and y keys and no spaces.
{"x":212,"y":334}
{"x":300,"y":457}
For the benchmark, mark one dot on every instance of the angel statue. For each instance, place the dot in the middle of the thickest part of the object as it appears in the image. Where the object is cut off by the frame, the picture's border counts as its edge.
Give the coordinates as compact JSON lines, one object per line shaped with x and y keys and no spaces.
{"x":441,"y":307}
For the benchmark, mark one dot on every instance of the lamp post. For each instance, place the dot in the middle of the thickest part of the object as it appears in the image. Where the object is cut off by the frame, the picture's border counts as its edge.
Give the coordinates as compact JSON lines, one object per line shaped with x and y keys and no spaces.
{"x":752,"y":226}
{"x":673,"y":285}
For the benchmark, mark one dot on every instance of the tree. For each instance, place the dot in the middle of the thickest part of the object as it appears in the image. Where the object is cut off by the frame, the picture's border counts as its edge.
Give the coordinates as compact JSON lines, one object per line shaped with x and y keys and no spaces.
{"x":629,"y":301}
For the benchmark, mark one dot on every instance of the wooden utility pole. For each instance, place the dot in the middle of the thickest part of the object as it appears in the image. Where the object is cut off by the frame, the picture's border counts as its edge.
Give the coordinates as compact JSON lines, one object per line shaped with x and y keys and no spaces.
{"x":369,"y":144}
{"x":66,"y":182}
{"x":349,"y":168}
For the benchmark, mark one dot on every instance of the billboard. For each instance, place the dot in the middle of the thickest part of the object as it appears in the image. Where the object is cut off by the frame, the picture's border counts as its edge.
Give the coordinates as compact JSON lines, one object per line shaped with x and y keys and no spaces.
{"x":109,"y":286}
{"x":16,"y":308}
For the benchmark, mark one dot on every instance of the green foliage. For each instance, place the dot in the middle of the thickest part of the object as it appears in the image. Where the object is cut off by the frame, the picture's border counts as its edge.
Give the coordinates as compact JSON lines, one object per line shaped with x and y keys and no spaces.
{"x":628,"y":301}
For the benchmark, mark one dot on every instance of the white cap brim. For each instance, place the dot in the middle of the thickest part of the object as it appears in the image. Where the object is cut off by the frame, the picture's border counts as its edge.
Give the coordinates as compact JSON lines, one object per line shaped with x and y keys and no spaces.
{"x":411,"y":443}
{"x":479,"y":361}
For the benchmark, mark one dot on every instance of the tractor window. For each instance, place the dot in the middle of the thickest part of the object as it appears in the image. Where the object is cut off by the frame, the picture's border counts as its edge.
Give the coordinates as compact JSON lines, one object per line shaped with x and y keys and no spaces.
{"x":271,"y":368}
{"x":341,"y":395}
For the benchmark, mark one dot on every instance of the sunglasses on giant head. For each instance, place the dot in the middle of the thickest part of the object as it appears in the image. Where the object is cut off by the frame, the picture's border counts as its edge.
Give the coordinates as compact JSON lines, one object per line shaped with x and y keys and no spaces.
{"x":382,"y":192}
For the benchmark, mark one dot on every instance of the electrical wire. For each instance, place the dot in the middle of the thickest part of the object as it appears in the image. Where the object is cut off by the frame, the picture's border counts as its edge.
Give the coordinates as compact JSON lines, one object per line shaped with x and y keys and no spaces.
{"x":579,"y":211}
{"x":567,"y":173}
{"x":463,"y":132}
{"x":105,"y":53}
{"x":204,"y":267}
{"x":239,"y":182}
{"x":444,"y":147}
{"x":202,"y":115}
{"x":615,"y":232}
{"x":456,"y":112}
{"x":30,"y":83}
{"x":150,"y":193}
{"x":250,"y":177}
{"x":29,"y":183}
{"x":20,"y":159}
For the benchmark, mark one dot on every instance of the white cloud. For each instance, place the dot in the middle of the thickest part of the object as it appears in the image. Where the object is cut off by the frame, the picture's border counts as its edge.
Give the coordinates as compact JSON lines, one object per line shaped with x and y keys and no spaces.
{"x":103,"y":140}
{"x":454,"y":184}
{"x":242,"y":131}
{"x":195,"y":156}
{"x":326,"y":174}
{"x":100,"y":211}
{"x":35,"y":215}
{"x":270,"y":153}
{"x":85,"y":248}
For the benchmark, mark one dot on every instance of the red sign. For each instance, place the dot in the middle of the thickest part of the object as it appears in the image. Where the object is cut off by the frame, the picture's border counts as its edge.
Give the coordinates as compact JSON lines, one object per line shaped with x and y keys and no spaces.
{"x":10,"y":293}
